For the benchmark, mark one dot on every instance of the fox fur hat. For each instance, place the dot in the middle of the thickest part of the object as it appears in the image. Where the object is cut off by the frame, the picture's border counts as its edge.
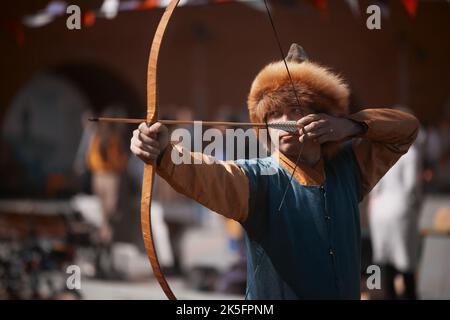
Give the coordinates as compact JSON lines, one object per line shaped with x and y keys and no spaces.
{"x":316,"y":86}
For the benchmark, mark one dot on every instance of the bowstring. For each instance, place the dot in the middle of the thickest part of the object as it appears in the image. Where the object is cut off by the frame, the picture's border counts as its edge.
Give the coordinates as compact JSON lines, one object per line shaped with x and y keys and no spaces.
{"x":280,"y":48}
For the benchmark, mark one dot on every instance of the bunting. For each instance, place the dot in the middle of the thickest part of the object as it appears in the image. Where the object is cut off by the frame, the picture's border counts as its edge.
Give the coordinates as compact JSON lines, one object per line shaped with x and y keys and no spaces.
{"x":111,"y":8}
{"x":411,"y":7}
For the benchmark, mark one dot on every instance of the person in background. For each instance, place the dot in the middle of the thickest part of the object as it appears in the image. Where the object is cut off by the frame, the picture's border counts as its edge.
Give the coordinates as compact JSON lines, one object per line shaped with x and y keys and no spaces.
{"x":394,"y":207}
{"x":179,"y":212}
{"x":107,"y":159}
{"x":233,"y":279}
{"x":80,"y":165}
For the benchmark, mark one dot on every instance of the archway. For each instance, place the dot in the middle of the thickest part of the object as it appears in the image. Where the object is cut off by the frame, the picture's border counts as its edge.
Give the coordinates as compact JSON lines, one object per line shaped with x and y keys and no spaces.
{"x":42,"y":127}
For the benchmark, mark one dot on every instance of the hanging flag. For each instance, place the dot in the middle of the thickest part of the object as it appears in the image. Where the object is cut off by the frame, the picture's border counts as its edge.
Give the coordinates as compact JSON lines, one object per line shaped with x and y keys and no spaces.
{"x":165,"y":3}
{"x":109,"y":8}
{"x":129,"y":5}
{"x":56,"y":8}
{"x":149,"y":4}
{"x":411,"y":7}
{"x":89,"y":18}
{"x":39,"y":19}
{"x":43,"y":17}
{"x":354,"y":7}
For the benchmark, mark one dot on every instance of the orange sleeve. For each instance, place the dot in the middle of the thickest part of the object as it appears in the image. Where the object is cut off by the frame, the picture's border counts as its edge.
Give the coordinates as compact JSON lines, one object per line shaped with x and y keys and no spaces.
{"x":389,"y":134}
{"x":221,"y":186}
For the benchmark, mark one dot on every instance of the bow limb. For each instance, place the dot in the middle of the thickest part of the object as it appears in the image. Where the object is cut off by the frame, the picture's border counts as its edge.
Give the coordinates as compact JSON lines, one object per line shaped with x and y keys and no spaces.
{"x":149,"y":170}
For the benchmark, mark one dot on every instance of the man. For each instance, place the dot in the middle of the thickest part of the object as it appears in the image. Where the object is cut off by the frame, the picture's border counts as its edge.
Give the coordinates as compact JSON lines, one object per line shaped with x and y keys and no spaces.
{"x":394,"y":209}
{"x":309,"y":247}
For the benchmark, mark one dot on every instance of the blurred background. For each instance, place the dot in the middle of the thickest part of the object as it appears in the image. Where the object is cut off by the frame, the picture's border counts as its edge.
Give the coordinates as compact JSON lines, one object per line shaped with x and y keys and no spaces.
{"x":63,"y":204}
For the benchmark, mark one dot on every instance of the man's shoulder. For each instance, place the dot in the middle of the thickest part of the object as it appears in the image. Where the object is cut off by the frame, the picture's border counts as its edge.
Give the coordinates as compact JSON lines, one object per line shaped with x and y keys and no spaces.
{"x":256,"y":162}
{"x":257,"y":166}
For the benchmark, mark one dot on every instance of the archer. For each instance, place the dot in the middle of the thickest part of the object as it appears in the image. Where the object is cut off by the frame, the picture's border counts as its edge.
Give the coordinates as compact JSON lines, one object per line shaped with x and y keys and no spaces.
{"x":302,"y":223}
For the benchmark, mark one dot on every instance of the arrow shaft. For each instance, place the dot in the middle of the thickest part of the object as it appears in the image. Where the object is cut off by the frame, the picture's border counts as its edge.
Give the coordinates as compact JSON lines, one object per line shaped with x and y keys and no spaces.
{"x":286,"y":124}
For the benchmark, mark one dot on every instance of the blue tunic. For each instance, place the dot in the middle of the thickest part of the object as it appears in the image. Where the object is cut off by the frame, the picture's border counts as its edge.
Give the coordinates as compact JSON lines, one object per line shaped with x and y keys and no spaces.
{"x":311,"y":248}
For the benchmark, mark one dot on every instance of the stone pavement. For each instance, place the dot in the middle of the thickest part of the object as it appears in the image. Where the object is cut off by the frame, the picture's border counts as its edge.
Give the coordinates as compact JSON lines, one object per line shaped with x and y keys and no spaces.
{"x":144,"y":290}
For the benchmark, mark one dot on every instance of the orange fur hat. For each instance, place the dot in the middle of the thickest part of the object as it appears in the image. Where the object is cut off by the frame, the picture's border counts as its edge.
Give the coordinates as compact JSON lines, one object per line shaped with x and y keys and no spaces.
{"x":316,"y":86}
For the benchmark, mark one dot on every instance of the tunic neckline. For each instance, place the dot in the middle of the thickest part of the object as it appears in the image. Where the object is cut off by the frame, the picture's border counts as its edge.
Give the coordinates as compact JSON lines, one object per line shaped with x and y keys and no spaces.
{"x":305,"y":174}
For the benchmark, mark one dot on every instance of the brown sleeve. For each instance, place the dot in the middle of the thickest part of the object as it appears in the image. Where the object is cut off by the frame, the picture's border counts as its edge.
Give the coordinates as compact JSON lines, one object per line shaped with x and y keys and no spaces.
{"x":389,"y":134}
{"x":221,"y":186}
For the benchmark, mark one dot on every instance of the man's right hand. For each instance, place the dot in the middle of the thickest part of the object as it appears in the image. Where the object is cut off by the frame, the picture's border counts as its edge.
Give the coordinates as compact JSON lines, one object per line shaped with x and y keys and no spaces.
{"x":147,"y":143}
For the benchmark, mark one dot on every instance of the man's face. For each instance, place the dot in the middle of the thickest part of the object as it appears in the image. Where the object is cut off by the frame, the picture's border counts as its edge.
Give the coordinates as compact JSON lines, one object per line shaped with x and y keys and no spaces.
{"x":289,"y":143}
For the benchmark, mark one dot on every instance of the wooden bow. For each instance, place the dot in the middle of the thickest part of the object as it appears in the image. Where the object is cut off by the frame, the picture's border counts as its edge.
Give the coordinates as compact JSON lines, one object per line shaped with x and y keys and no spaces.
{"x":149,"y":170}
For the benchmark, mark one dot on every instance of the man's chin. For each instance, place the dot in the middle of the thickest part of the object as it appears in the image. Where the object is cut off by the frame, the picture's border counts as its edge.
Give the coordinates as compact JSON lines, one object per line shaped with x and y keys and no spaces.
{"x":289,"y":149}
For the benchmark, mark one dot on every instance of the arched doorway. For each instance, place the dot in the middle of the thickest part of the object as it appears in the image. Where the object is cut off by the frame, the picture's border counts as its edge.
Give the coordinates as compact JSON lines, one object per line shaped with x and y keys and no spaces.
{"x":42,"y":127}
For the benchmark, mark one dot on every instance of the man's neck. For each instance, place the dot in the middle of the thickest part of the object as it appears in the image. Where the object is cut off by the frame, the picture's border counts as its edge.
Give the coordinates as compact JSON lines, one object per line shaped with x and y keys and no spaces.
{"x":310,"y":157}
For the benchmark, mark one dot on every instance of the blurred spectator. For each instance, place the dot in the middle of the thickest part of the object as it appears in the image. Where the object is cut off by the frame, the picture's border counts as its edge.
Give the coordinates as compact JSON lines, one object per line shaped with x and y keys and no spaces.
{"x":393,"y":214}
{"x":179,"y":212}
{"x":432,"y":152}
{"x":233,"y":281}
{"x":442,"y":167}
{"x":80,"y":165}
{"x":107,"y":159}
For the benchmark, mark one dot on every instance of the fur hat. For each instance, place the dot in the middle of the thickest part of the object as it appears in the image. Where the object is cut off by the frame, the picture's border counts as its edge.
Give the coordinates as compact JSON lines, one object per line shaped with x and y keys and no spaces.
{"x":317,"y":87}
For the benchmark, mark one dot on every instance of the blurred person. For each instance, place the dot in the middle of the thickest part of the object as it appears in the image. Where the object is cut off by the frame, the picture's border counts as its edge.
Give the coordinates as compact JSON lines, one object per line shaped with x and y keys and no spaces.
{"x":232,"y":281}
{"x":107,"y":159}
{"x":444,"y":130}
{"x":433,"y":151}
{"x":442,"y":168}
{"x":305,"y":245}
{"x":80,"y":165}
{"x":394,"y":208}
{"x":179,"y":212}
